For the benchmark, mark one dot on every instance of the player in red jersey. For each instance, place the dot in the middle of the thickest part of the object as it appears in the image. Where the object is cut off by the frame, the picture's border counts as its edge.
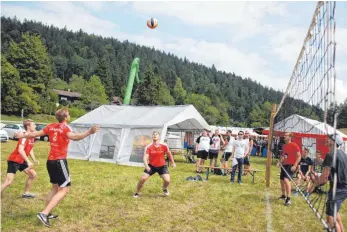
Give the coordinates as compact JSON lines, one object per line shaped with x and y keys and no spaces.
{"x":154,"y":161}
{"x":18,"y":160}
{"x":290,"y":159}
{"x":59,"y":137}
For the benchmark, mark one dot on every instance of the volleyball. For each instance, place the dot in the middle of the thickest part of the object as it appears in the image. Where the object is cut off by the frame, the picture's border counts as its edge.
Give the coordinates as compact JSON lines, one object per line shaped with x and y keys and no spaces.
{"x":152,"y":23}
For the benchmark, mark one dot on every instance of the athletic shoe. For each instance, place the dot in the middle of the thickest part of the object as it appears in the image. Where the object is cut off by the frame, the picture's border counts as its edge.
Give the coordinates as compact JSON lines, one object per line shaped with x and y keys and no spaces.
{"x":166,"y":192}
{"x":52,"y":216}
{"x":296,"y":193}
{"x":287,"y":203}
{"x":44,"y":219}
{"x":136,"y":195}
{"x":282,"y":197}
{"x":28,"y":195}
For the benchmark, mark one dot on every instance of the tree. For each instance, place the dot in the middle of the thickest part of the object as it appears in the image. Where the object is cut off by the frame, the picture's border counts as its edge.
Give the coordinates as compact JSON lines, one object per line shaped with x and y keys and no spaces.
{"x":31,"y":60}
{"x":104,"y":74}
{"x":147,"y":91}
{"x":9,"y":87}
{"x":342,"y":116}
{"x":94,"y":93}
{"x":179,"y":92}
{"x":77,"y":84}
{"x":164,"y":96}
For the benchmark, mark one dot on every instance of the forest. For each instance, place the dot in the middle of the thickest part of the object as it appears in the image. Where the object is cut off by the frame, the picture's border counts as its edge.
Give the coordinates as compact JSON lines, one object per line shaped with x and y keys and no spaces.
{"x":37,"y":58}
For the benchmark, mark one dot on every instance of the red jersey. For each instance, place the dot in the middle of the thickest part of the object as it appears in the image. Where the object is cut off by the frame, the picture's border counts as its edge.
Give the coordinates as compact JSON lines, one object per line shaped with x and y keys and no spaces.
{"x":157,"y":154}
{"x":289,"y":153}
{"x":28,"y":145}
{"x":57,"y":133}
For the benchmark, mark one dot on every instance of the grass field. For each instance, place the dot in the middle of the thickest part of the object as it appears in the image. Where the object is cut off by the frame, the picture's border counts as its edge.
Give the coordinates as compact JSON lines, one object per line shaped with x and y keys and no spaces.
{"x":100,"y":199}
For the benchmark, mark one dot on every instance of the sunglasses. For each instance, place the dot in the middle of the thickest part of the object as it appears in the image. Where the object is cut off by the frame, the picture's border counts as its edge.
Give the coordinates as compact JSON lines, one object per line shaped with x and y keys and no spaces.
{"x":240,"y":134}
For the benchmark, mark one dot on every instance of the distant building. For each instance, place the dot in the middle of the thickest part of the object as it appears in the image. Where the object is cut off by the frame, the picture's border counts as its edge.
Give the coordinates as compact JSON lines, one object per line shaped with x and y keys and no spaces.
{"x":67,"y":96}
{"x":116,"y":101}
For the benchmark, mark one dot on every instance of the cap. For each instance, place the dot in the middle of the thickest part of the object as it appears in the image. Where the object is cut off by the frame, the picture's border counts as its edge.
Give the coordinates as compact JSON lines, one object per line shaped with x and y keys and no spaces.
{"x":207,"y":130}
{"x":336,"y":138}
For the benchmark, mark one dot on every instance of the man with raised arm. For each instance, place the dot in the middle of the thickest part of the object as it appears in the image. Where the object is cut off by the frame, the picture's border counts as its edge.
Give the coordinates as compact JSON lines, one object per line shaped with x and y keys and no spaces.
{"x":154,"y":161}
{"x":19,"y":160}
{"x":59,"y":135}
{"x":328,"y":173}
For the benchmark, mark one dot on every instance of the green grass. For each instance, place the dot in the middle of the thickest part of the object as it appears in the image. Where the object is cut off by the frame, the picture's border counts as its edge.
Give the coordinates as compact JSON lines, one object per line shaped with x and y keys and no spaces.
{"x":100,"y":199}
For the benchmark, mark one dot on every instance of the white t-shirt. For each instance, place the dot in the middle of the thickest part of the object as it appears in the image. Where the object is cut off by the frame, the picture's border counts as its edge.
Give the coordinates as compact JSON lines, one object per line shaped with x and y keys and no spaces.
{"x":216,"y":142}
{"x":248,"y":143}
{"x":229,"y":146}
{"x":241,"y":147}
{"x":203,"y":143}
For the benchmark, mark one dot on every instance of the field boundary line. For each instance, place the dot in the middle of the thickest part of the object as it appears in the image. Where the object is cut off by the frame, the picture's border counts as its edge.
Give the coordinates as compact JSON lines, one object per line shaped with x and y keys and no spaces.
{"x":268,"y":213}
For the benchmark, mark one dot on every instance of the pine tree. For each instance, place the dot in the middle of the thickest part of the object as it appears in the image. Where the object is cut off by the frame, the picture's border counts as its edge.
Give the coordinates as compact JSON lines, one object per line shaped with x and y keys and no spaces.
{"x":105,"y":76}
{"x":31,"y":60}
{"x":147,"y":91}
{"x":179,"y":92}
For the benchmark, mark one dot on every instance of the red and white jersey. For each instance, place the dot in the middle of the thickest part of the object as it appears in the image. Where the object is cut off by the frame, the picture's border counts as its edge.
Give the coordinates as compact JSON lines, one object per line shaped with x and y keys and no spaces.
{"x":58,"y":139}
{"x":28,"y":146}
{"x":157,"y":154}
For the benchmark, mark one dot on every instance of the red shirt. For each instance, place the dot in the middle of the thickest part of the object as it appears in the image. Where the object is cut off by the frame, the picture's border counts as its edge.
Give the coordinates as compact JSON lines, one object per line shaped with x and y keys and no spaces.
{"x":157,"y":154}
{"x":28,"y":145}
{"x":289,"y":153}
{"x":58,"y":139}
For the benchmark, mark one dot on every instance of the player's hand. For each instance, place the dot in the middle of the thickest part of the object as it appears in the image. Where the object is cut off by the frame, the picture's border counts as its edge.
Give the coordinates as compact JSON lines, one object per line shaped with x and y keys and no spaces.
{"x":148,"y":169}
{"x":30,"y":164}
{"x":174,"y":165}
{"x":19,"y":135}
{"x":293,"y":169}
{"x":196,"y":151}
{"x":94,"y":129}
{"x":37,"y":162}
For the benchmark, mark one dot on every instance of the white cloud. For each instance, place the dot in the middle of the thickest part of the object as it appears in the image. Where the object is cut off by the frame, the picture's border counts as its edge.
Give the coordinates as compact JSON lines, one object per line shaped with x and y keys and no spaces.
{"x":247,"y":18}
{"x":94,"y":6}
{"x":62,"y":14}
{"x":341,"y":90}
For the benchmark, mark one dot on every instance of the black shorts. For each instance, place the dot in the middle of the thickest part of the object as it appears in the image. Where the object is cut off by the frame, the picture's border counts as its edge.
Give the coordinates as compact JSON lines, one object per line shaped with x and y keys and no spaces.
{"x":247,"y":161}
{"x":160,"y":170}
{"x":341,"y":195}
{"x":13,"y":167}
{"x":59,"y":172}
{"x":226,"y":156}
{"x":213,"y":154}
{"x":202,"y":154}
{"x":288,"y":170}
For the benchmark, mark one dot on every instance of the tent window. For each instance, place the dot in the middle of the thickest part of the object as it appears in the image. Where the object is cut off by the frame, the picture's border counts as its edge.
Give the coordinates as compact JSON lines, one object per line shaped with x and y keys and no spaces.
{"x":139,"y":144}
{"x":107,"y":146}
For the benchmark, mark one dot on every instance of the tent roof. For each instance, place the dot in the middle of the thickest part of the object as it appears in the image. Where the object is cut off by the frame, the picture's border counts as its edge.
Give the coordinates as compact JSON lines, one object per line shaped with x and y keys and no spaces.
{"x":299,"y":124}
{"x":182,"y":117}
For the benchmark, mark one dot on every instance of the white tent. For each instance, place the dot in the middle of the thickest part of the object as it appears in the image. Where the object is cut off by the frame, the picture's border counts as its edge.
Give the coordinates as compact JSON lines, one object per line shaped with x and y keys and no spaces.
{"x":308,"y":129}
{"x":126,"y":130}
{"x":299,"y":124}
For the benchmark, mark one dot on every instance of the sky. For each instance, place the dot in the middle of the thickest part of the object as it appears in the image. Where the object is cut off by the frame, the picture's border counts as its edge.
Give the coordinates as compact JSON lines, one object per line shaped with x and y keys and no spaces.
{"x":259,"y":40}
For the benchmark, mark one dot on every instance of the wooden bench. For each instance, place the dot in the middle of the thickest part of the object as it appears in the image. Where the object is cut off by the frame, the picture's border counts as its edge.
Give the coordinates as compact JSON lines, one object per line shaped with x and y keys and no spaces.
{"x":250,"y":171}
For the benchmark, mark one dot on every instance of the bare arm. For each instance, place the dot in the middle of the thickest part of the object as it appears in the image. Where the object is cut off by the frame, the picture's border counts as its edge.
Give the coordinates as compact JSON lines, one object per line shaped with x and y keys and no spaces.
{"x":35,"y":134}
{"x":323,"y":178}
{"x":145,"y":160}
{"x":298,"y":158}
{"x":171,"y":157}
{"x":79,"y":136}
{"x":31,"y":153}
